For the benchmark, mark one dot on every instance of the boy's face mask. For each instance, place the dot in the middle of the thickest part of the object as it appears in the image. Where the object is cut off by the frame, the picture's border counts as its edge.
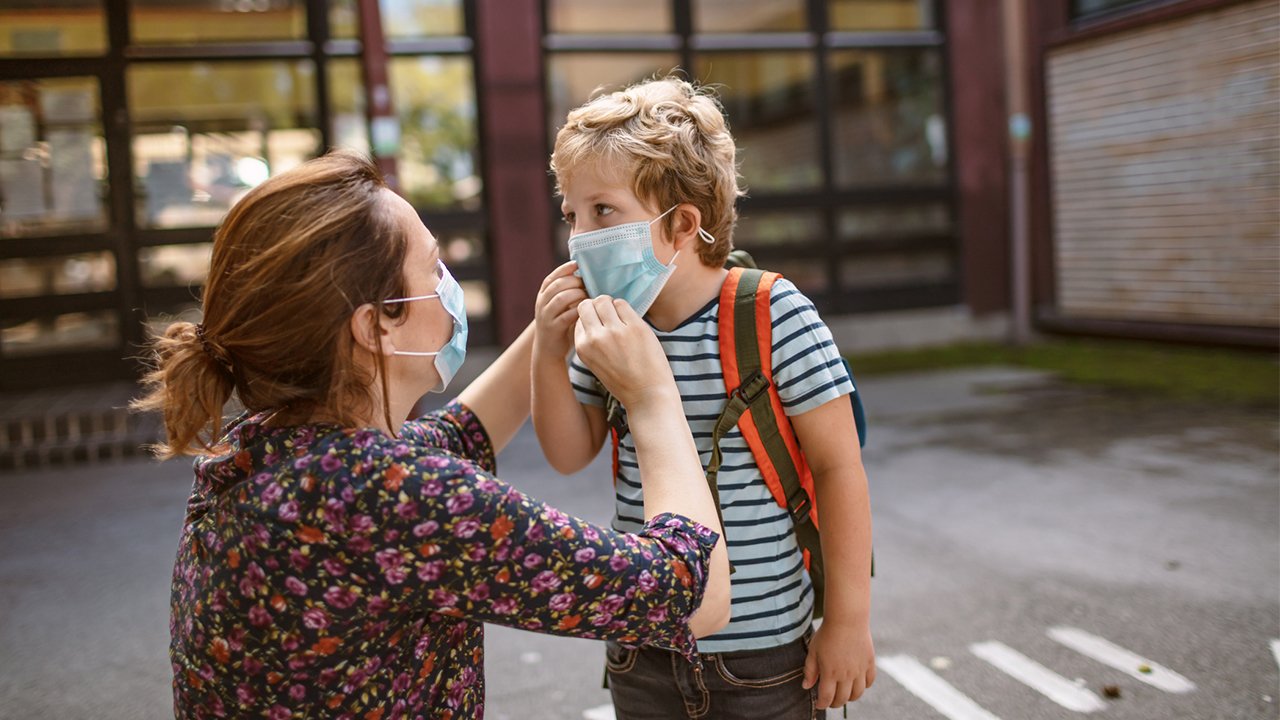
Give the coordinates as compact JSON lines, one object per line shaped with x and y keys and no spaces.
{"x":450,"y":357}
{"x":619,"y":262}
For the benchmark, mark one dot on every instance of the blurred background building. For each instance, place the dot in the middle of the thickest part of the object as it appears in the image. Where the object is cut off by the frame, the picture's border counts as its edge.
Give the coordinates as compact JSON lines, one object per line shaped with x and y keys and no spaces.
{"x":875,"y":140}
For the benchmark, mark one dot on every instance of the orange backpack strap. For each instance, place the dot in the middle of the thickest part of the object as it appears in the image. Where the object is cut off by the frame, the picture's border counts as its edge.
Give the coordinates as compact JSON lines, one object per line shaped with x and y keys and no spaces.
{"x":755,"y":407}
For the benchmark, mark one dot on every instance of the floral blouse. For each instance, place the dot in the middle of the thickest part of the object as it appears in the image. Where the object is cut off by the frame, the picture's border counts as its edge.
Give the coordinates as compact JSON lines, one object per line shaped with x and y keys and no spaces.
{"x":331,"y":572}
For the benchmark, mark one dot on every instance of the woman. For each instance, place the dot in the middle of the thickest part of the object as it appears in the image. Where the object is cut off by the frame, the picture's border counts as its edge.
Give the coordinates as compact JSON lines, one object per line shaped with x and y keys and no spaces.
{"x":338,"y":561}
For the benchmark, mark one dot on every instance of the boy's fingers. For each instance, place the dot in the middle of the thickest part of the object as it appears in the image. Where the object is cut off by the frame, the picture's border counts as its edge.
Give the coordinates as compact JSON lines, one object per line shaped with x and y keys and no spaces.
{"x":810,"y":670}
{"x":844,"y":693}
{"x":871,"y":675}
{"x":568,"y":296}
{"x":567,"y":315}
{"x":561,"y":271}
{"x":565,"y":282}
{"x":562,"y":303}
{"x":826,"y":691}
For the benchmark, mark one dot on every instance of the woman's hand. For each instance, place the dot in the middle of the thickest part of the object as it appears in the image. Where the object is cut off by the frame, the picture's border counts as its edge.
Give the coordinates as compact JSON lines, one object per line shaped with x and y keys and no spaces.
{"x":621,"y":350}
{"x":555,"y":311}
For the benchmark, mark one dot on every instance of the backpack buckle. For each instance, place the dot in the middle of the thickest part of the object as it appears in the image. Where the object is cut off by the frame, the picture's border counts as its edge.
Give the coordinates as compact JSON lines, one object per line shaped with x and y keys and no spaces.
{"x":799,"y":509}
{"x":752,"y":388}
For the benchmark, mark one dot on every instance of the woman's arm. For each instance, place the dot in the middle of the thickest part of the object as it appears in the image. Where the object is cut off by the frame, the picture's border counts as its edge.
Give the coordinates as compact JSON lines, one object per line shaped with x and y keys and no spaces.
{"x":520,"y":563}
{"x":617,"y":345}
{"x":499,"y":397}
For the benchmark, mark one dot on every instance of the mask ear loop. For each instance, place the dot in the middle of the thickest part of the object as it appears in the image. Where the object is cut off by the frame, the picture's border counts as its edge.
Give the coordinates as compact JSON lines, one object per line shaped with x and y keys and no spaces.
{"x":705,"y":236}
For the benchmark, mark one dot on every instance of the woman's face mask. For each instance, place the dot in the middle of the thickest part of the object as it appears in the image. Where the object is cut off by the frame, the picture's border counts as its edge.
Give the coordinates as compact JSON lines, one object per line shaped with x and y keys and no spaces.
{"x":619,"y":262}
{"x":448,"y":358}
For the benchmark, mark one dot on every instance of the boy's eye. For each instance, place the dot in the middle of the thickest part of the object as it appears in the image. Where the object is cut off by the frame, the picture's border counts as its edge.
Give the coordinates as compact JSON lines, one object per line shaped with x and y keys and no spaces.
{"x":568,"y":219}
{"x":603,"y":210}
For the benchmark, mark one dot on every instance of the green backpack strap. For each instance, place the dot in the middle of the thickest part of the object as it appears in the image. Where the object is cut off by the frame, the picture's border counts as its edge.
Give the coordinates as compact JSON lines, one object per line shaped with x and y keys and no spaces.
{"x":617,"y":423}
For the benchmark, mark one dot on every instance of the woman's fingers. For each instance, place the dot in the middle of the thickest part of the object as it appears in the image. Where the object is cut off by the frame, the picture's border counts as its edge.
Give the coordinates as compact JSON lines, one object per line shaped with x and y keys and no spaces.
{"x":607,"y":310}
{"x":626,"y":313}
{"x":587,"y":314}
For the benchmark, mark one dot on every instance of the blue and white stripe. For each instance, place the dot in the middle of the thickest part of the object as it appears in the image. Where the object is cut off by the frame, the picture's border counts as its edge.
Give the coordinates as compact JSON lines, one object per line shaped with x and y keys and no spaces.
{"x":772,"y":597}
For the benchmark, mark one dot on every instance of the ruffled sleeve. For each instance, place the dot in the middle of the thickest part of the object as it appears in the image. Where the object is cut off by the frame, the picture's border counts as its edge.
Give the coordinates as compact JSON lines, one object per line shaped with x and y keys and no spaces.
{"x":455,"y":429}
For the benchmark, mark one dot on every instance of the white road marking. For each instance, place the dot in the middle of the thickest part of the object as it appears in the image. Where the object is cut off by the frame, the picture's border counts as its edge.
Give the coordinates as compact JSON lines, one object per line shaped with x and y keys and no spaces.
{"x":604,"y":712}
{"x":1038,"y":677}
{"x":1275,"y":650}
{"x":929,"y":687}
{"x":1108,"y":653}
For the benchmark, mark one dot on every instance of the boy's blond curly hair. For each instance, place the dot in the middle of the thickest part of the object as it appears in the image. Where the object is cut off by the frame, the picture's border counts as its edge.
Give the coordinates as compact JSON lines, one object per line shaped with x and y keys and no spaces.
{"x":670,"y":137}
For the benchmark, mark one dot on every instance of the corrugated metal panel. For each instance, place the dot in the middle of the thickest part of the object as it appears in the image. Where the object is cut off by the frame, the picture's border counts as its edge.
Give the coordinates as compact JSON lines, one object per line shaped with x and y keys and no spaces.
{"x":1165,"y":159}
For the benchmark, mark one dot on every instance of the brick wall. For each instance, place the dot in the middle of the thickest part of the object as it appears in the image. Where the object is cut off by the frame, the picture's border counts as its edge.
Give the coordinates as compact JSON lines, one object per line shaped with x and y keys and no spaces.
{"x":1165,"y":170}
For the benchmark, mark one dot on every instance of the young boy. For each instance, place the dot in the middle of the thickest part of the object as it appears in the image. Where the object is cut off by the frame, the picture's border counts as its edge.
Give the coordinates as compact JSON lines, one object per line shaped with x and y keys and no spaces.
{"x":648,"y":181}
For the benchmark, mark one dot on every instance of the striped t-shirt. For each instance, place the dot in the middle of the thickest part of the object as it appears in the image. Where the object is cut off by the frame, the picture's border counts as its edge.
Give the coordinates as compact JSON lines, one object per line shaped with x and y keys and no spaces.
{"x":772,"y":597}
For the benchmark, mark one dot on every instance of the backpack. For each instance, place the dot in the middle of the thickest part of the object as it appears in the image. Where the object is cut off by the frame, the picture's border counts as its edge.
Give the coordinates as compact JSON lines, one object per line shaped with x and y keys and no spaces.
{"x":754,"y":405}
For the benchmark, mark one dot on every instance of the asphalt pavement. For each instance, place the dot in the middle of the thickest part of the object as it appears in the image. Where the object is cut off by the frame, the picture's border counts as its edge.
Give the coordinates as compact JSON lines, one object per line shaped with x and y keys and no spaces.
{"x":1043,"y":551}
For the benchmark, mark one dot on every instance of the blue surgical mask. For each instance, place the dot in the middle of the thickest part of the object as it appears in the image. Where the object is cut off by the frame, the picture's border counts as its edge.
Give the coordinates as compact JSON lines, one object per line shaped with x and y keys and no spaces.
{"x":448,"y":358}
{"x":619,"y":262}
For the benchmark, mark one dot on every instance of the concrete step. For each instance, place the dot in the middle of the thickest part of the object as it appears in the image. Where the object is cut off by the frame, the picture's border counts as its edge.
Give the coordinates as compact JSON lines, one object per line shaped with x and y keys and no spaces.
{"x":64,"y":426}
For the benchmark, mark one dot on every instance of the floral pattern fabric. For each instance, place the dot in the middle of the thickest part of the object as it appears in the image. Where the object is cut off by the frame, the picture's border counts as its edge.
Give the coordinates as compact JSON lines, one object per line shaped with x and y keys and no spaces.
{"x":331,"y":572}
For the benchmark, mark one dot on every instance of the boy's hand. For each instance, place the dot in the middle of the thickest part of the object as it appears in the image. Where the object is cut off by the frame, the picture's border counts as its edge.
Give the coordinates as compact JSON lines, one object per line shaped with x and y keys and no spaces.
{"x":556,"y":311}
{"x":842,"y":661}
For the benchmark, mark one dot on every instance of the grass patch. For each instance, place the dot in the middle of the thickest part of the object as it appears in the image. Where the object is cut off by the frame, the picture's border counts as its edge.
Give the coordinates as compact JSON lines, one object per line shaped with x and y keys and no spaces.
{"x":1185,"y":373}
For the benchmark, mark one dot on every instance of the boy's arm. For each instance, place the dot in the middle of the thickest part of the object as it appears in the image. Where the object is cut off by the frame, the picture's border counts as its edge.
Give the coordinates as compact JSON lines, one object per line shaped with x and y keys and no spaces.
{"x":569,"y":432}
{"x":841,"y":657}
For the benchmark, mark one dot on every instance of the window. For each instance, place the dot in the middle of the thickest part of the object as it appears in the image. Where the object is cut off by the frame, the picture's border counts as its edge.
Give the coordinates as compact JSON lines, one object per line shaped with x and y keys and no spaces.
{"x":52,"y":28}
{"x":175,"y":22}
{"x":889,"y":122}
{"x":434,"y":98}
{"x":771,"y":102}
{"x":1089,"y":8}
{"x":205,"y":133}
{"x":574,"y":78}
{"x":608,"y":16}
{"x":734,"y":16}
{"x":53,"y":162}
{"x":882,"y":15}
{"x":421,"y":18}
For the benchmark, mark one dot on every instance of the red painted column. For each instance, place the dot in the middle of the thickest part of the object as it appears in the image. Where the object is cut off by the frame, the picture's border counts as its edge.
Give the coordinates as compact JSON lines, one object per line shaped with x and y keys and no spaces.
{"x":513,"y":144}
{"x":979,"y":132}
{"x":384,"y":129}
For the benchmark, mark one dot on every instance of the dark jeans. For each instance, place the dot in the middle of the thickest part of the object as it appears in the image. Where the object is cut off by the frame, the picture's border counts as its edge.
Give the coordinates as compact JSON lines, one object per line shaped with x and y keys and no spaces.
{"x":652,"y":684}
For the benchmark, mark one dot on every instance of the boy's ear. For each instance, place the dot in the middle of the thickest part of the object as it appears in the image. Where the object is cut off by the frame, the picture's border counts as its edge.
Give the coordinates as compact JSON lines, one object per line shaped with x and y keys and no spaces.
{"x":684,"y":226}
{"x":365,"y":329}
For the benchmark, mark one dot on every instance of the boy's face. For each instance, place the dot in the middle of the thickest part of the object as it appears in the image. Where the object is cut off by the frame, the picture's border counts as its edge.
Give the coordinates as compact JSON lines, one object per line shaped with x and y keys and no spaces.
{"x":594,"y":199}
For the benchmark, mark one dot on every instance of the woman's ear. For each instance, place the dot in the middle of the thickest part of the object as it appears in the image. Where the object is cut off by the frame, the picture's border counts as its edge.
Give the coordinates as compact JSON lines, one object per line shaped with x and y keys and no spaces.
{"x":684,"y":225}
{"x":365,"y":330}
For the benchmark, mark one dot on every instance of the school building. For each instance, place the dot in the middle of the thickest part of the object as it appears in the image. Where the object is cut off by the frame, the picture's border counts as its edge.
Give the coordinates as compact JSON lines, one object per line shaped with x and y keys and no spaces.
{"x":925,"y":170}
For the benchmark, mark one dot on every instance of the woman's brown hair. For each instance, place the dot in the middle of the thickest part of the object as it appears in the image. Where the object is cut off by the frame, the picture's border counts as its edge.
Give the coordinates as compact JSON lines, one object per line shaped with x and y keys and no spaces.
{"x":291,"y":262}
